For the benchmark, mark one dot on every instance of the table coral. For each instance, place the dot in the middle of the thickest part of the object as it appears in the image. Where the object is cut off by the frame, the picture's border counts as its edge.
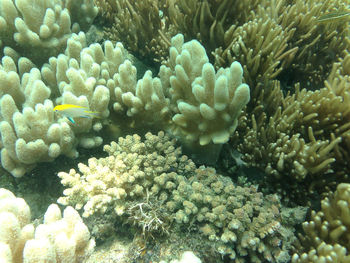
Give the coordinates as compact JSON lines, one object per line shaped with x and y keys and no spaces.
{"x":151,"y":185}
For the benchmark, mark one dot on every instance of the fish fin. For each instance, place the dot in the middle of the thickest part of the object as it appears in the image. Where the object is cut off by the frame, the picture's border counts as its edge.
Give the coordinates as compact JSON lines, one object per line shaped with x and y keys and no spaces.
{"x":94,"y":114}
{"x":71,"y":120}
{"x":91,"y":112}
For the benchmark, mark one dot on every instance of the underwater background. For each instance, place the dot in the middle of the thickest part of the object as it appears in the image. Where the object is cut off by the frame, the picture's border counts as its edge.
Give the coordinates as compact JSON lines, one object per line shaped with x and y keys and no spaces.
{"x":148,"y":131}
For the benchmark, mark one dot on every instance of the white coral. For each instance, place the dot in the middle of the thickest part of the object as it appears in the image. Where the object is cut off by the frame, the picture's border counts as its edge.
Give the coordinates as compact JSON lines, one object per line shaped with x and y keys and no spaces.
{"x":58,"y":239}
{"x":43,"y":26}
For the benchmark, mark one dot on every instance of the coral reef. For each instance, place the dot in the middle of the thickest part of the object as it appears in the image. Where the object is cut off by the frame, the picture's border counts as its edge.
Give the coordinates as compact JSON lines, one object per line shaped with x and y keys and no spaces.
{"x":40,"y":29}
{"x":101,"y":77}
{"x":286,"y":56}
{"x":138,"y":24}
{"x":58,"y":239}
{"x":151,"y":185}
{"x":326,"y":236}
{"x":269,"y":77}
{"x":284,"y":39}
{"x":300,"y":137}
{"x":279,"y":38}
{"x":202,"y":104}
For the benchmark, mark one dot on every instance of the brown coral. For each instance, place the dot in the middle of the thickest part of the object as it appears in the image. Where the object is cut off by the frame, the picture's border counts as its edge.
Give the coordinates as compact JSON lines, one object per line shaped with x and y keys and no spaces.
{"x":302,"y":136}
{"x":273,"y":39}
{"x":151,"y":185}
{"x":139,"y":25}
{"x":326,"y":234}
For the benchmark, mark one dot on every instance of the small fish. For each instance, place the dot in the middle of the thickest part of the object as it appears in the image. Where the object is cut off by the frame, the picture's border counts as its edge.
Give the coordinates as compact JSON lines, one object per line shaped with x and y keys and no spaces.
{"x":334,"y":16}
{"x":71,"y":111}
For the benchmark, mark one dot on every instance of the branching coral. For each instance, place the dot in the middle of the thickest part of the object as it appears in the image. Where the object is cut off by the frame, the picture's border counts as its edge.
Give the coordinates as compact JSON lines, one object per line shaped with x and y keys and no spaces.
{"x":40,"y":29}
{"x":150,"y":184}
{"x":138,"y":24}
{"x":319,"y":45}
{"x":206,"y":21}
{"x":30,"y":131}
{"x":290,"y":42}
{"x":289,"y":136}
{"x":58,"y":239}
{"x":299,"y":138}
{"x":101,"y":77}
{"x":302,"y":136}
{"x":261,"y":46}
{"x":326,"y":238}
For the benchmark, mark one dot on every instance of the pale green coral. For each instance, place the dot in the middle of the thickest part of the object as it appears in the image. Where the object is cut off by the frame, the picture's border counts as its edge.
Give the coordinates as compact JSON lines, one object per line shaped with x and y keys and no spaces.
{"x":40,"y":29}
{"x":188,"y":98}
{"x":29,"y":131}
{"x":151,"y":185}
{"x":203,"y":105}
{"x":59,"y":239}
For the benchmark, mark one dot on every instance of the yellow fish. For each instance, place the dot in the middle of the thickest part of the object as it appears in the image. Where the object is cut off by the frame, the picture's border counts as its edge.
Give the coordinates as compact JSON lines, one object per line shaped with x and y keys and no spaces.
{"x":72,"y":111}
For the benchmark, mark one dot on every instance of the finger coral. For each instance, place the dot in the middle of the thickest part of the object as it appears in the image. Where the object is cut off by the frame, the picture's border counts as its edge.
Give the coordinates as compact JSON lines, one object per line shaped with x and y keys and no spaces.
{"x":40,"y":29}
{"x":58,"y":239}
{"x":103,"y":79}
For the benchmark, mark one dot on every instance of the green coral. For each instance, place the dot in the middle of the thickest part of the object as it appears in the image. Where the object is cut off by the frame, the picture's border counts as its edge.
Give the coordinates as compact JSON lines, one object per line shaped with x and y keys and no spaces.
{"x":151,"y":185}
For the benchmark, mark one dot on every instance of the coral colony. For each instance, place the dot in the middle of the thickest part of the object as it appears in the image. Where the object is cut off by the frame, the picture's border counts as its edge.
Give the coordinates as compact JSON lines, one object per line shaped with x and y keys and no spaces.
{"x":221,"y":124}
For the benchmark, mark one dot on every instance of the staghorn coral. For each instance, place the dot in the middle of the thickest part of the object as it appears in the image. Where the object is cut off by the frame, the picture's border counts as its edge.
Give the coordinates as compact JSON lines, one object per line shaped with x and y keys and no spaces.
{"x":40,"y":29}
{"x":291,"y":42}
{"x":292,"y":45}
{"x":106,"y":9}
{"x":151,"y":185}
{"x":338,"y":83}
{"x":262,"y":47}
{"x":138,"y":25}
{"x":326,"y":238}
{"x":58,"y":239}
{"x":206,"y":21}
{"x":300,"y":138}
{"x":319,"y":45}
